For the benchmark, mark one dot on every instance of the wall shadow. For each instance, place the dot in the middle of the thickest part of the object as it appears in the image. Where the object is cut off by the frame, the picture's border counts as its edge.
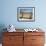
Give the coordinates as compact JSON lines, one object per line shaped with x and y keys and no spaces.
{"x":2,"y":29}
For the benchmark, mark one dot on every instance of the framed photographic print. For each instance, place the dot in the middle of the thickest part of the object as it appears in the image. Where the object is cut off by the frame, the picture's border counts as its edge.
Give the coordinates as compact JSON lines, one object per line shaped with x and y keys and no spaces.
{"x":26,"y":14}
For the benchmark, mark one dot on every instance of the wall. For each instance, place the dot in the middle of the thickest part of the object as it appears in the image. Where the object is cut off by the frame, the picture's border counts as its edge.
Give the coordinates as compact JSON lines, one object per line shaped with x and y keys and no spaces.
{"x":9,"y":13}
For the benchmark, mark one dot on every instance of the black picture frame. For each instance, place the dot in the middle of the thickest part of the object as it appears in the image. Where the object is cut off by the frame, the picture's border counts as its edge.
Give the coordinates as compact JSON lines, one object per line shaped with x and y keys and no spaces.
{"x":26,"y":14}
